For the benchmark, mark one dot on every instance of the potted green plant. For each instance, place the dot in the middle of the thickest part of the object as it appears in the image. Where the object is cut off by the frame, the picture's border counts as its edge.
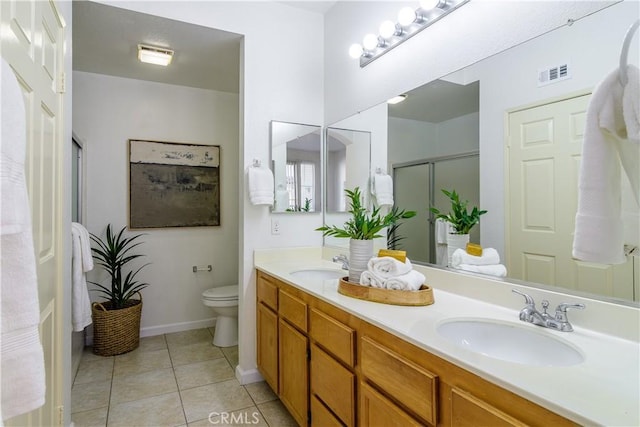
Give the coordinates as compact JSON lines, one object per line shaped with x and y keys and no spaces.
{"x":461,"y":219}
{"x":116,"y":322}
{"x":361,"y":229}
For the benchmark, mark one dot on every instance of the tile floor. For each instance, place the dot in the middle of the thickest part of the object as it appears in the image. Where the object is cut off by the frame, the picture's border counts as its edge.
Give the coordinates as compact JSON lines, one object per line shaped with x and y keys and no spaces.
{"x":177,"y":379}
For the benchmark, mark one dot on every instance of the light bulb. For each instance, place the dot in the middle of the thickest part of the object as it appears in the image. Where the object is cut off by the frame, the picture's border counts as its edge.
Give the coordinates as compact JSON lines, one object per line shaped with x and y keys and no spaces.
{"x":355,"y":51}
{"x":387,"y":29}
{"x":370,"y":42}
{"x":406,"y":16}
{"x":429,"y":4}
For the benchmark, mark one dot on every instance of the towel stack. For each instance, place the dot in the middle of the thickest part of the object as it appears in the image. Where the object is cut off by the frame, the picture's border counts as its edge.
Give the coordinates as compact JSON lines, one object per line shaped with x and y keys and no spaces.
{"x":389,"y":273}
{"x":487,"y":263}
{"x":382,"y":189}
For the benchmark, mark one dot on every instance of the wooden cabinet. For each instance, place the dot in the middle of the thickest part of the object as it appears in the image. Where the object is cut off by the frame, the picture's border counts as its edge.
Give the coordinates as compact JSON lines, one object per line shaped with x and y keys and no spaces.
{"x":334,"y":385}
{"x":378,"y":411}
{"x":267,"y":352}
{"x":294,"y":372}
{"x":469,"y":411}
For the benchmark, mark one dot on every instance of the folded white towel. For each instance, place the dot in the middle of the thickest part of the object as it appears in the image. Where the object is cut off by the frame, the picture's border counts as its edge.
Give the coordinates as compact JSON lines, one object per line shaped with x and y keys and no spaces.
{"x":81,"y":262}
{"x":21,"y":355}
{"x":629,"y":148}
{"x":489,"y":257}
{"x":407,"y":282}
{"x":282,"y":200}
{"x":382,"y":189}
{"x":385,"y":267}
{"x":369,"y":278}
{"x":260,"y":186}
{"x":498,"y":270}
{"x":443,"y":228}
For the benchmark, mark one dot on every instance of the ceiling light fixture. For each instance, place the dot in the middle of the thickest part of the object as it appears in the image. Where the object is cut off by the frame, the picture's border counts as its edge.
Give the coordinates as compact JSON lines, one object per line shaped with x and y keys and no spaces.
{"x":154,"y":55}
{"x":410,"y":22}
{"x":397,"y":99}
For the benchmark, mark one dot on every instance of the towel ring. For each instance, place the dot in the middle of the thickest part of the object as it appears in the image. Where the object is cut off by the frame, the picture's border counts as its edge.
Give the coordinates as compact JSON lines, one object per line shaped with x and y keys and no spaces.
{"x":624,"y":54}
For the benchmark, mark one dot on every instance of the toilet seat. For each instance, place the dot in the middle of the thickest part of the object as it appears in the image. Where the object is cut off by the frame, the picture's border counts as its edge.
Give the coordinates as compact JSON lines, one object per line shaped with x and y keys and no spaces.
{"x":223,"y":293}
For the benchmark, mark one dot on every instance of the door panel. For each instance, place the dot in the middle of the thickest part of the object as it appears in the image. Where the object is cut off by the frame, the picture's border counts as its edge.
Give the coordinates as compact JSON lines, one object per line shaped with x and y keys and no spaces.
{"x":412,"y":193}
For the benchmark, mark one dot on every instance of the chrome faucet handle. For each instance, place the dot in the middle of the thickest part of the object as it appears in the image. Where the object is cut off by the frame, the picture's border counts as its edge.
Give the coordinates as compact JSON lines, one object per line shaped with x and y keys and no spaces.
{"x":545,"y":305}
{"x":528,"y":299}
{"x":561,"y":310}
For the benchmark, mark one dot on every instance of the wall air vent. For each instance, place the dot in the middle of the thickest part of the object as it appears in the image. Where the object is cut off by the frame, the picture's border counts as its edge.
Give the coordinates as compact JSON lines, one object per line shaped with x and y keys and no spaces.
{"x":553,"y":74}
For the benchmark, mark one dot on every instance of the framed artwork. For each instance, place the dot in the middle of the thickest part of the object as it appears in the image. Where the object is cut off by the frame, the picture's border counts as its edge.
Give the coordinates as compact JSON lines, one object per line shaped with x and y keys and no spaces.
{"x":173,"y":184}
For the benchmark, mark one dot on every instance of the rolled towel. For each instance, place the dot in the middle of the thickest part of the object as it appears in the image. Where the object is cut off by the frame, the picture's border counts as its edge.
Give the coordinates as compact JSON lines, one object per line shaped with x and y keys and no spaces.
{"x":489,"y":257}
{"x":368,"y":278}
{"x":407,"y":282}
{"x":260,"y":186}
{"x":386,"y":267}
{"x":497,"y":270}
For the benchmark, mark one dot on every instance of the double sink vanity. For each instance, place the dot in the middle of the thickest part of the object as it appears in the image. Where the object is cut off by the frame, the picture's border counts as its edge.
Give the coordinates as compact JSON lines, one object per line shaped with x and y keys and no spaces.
{"x":467,"y":359}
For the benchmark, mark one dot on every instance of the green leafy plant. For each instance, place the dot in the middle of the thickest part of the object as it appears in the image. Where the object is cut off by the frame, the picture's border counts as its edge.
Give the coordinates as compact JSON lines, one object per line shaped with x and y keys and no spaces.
{"x":113,"y":254}
{"x":305,"y":208}
{"x":460,"y":218}
{"x":361,"y":225}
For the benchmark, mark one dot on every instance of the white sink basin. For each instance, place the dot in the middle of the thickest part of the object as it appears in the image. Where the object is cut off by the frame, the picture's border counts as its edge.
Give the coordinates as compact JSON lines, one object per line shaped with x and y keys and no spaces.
{"x":509,"y":342}
{"x":319,"y":274}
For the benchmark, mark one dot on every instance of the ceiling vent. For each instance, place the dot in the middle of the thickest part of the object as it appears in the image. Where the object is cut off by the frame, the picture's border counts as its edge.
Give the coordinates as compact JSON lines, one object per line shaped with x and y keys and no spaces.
{"x":553,"y":74}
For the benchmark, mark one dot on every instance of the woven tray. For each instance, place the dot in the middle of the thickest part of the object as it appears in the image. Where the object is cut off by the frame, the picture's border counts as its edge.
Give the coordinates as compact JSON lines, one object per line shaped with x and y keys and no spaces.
{"x":423,"y":296}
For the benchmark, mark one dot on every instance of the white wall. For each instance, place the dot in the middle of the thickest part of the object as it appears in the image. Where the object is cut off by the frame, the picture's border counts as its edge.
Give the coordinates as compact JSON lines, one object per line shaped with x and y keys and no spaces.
{"x":281,"y":79}
{"x":110,"y":110}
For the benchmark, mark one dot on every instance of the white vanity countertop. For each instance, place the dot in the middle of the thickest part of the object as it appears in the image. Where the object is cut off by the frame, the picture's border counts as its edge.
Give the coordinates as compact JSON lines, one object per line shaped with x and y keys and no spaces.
{"x":602,"y":390}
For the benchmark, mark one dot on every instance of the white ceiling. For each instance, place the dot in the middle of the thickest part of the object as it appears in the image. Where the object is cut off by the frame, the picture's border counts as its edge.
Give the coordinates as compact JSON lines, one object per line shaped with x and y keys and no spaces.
{"x":310,"y":5}
{"x":105,"y":41}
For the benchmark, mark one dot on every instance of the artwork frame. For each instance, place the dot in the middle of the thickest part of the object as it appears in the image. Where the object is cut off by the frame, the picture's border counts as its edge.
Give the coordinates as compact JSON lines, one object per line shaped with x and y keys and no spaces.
{"x":173,"y":184}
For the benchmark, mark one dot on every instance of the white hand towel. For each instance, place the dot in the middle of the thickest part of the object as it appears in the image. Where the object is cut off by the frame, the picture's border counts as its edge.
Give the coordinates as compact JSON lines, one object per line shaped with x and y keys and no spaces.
{"x":443,"y":228}
{"x":382,"y":189}
{"x":368,"y":278}
{"x":260,"y":186}
{"x":81,"y":262}
{"x":385,"y":267}
{"x":598,"y":235}
{"x":407,"y":282}
{"x":629,"y":148}
{"x":489,"y":257}
{"x":21,"y":355}
{"x":497,"y":270}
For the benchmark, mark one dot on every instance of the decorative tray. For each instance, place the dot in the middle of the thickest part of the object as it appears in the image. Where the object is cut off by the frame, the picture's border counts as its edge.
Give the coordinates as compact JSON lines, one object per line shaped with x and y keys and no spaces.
{"x":423,"y":296}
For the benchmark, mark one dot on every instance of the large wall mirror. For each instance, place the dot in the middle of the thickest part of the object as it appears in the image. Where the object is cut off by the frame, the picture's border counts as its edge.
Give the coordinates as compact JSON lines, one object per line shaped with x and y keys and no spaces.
{"x":296,"y":153}
{"x":479,"y":126}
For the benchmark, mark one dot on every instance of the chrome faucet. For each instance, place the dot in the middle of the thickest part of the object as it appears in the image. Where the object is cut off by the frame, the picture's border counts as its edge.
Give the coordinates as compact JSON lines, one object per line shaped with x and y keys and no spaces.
{"x":559,"y":322}
{"x":343,"y":259}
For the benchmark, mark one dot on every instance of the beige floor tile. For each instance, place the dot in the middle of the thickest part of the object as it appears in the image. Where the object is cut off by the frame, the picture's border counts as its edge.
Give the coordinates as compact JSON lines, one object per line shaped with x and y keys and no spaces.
{"x":139,"y":361}
{"x":231,"y":353}
{"x":87,"y":355}
{"x":146,"y":384}
{"x":276,"y":414}
{"x":89,"y":396}
{"x":153,"y":343}
{"x":94,"y":370}
{"x":241,"y":418}
{"x":201,"y":373}
{"x":189,"y":337}
{"x":163,"y":410}
{"x":93,"y":418}
{"x":260,"y":392}
{"x":220,"y":397}
{"x":191,"y":353}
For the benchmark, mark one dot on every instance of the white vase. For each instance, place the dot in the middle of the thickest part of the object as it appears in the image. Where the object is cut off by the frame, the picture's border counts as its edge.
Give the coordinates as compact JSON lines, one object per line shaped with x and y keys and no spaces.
{"x":456,"y":241}
{"x":360,"y":252}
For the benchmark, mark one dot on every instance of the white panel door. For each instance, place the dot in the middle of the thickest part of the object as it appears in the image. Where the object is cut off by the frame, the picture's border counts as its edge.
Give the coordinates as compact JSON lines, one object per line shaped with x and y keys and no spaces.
{"x":411,"y":188}
{"x":33,"y":44}
{"x":545,"y":145}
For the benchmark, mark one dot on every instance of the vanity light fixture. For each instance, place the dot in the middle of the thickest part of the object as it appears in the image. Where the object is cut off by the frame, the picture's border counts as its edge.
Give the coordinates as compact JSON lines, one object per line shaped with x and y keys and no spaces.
{"x":397,"y":99}
{"x":410,"y":22}
{"x":154,"y":55}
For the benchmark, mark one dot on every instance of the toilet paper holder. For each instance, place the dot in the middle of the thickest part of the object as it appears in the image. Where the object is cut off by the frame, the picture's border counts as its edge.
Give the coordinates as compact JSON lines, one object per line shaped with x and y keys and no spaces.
{"x":207,"y":268}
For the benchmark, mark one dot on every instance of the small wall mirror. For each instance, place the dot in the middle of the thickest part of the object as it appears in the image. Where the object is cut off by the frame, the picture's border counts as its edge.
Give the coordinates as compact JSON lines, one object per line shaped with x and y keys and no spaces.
{"x":296,"y":164}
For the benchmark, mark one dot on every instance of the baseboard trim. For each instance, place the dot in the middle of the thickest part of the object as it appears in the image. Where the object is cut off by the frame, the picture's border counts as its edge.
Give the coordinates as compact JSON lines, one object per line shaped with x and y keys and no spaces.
{"x":248,"y":376}
{"x":151,"y":331}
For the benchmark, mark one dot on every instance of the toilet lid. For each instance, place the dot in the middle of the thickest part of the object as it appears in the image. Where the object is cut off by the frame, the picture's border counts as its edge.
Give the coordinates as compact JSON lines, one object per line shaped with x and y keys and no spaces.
{"x":222,"y":293}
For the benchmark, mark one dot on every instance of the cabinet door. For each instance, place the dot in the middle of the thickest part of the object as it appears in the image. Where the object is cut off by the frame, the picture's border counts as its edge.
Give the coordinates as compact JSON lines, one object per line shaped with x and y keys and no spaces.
{"x":378,"y":411}
{"x":267,"y":325}
{"x":294,"y":372}
{"x":334,"y":384}
{"x":321,"y":416}
{"x":469,"y":411}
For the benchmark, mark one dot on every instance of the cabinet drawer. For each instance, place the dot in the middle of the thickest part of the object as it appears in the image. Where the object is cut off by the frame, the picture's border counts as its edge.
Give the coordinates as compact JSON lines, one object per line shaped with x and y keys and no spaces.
{"x":469,"y":411}
{"x":293,"y":310}
{"x":378,"y":411}
{"x":402,"y":380}
{"x":267,"y":292}
{"x":333,"y":384}
{"x":321,"y":416}
{"x":337,"y":338}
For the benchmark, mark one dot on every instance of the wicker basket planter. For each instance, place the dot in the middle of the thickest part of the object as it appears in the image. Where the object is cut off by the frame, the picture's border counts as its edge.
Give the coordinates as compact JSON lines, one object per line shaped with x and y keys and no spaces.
{"x":116,"y":331}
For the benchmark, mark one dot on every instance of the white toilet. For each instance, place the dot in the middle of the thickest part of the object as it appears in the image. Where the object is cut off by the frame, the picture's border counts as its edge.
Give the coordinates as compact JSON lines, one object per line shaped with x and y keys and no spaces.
{"x":224,"y":302}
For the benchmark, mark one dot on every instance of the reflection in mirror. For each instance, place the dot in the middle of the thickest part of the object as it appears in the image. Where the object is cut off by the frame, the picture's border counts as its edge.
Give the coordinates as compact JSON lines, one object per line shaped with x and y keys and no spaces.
{"x":530,"y":193}
{"x":295,"y":161}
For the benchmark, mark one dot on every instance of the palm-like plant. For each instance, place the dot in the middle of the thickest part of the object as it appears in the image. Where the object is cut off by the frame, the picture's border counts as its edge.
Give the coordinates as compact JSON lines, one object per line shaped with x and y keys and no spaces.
{"x":113,"y":254}
{"x":361,"y":225}
{"x":460,"y":218}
